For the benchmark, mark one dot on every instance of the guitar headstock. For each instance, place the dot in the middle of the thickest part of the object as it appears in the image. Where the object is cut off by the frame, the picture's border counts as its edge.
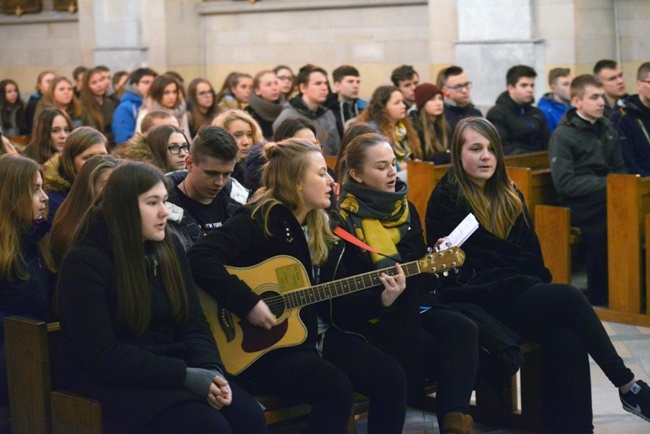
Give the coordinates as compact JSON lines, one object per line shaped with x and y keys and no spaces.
{"x":442,"y":261}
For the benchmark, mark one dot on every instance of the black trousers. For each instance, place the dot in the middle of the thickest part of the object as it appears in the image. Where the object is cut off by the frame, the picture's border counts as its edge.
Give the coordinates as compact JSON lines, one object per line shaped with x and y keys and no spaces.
{"x":244,"y":415}
{"x":562,"y":321}
{"x":589,"y":213}
{"x":348,"y":364}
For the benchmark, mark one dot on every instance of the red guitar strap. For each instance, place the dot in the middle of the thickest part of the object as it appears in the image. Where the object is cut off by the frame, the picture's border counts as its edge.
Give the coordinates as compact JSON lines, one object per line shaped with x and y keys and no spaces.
{"x":347,"y":236}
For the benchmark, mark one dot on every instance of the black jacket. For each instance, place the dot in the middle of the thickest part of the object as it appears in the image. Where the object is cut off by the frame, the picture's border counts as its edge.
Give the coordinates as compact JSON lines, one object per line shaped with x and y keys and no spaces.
{"x":100,"y":359}
{"x":454,"y":114}
{"x":495,"y":270}
{"x":631,"y":120}
{"x":522,"y":128}
{"x":581,"y":155}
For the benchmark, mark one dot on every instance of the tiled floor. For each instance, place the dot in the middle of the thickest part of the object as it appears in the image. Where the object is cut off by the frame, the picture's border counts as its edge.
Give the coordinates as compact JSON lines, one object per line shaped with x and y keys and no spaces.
{"x":633,"y":345}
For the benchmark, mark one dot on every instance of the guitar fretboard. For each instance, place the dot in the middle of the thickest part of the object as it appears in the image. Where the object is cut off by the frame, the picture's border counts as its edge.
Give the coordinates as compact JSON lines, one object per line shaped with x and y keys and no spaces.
{"x":325,"y":291}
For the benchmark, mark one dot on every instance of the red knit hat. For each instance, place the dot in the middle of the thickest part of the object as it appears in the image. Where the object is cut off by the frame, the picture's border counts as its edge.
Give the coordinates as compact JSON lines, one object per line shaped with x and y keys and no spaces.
{"x":424,"y":92}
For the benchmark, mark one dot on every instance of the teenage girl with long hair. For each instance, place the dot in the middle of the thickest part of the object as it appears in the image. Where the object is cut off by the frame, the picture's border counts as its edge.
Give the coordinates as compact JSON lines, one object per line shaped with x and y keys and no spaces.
{"x":60,"y":95}
{"x":165,"y":93}
{"x":51,"y":130}
{"x":164,"y":146}
{"x":25,"y":262}
{"x":202,"y":104}
{"x":504,"y":273}
{"x":431,"y":125}
{"x":12,"y":110}
{"x":387,"y":113}
{"x":287,"y":217}
{"x":133,"y":334}
{"x":88,"y":186}
{"x":97,"y":106}
{"x":60,"y":171}
{"x":235,"y":90}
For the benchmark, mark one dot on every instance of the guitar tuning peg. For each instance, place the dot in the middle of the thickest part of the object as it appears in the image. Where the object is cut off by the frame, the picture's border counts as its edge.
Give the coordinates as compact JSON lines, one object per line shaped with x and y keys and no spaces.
{"x":429,"y":250}
{"x":446,"y":273}
{"x":456,"y":271}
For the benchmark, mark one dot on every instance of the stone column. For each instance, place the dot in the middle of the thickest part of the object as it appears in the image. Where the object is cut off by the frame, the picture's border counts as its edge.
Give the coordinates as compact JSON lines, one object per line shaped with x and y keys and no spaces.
{"x":494,"y":35}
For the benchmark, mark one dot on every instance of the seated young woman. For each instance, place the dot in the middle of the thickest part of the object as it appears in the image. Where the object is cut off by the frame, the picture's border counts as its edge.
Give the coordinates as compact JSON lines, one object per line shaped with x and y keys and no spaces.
{"x":202,"y":104}
{"x":133,"y":334}
{"x":97,"y":107}
{"x":504,"y":273}
{"x":430,"y":123}
{"x":439,"y":344}
{"x":88,"y":185}
{"x":164,"y":146}
{"x":60,"y":171}
{"x":12,"y":110}
{"x":25,"y":263}
{"x":60,"y":95}
{"x":51,"y":129}
{"x":166,"y":94}
{"x":265,"y":102}
{"x":287,"y":217}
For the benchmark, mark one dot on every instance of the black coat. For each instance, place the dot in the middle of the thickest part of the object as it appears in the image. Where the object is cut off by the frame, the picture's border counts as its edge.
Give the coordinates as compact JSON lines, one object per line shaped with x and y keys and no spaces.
{"x":133,"y":377}
{"x":522,"y":128}
{"x":496,"y":270}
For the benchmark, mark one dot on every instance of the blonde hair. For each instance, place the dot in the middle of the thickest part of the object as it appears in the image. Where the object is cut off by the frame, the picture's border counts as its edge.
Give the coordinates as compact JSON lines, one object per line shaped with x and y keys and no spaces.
{"x":225,"y":119}
{"x":497,"y":206}
{"x":287,"y":164}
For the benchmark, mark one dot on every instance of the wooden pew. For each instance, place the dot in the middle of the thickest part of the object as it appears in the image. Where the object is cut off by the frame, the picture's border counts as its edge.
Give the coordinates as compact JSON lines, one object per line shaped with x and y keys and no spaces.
{"x":35,"y":409}
{"x":534,"y":160}
{"x":422,"y":179}
{"x":628,"y":202}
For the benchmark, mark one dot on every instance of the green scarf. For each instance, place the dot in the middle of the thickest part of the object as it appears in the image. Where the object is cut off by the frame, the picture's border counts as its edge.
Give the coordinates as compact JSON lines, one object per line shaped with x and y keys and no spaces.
{"x":378,"y":218}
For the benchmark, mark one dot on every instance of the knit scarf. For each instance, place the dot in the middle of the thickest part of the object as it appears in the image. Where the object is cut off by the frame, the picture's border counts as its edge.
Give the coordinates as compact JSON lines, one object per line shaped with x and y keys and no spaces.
{"x":177,"y":112}
{"x":269,"y":111}
{"x":378,"y":218}
{"x":401,"y":145}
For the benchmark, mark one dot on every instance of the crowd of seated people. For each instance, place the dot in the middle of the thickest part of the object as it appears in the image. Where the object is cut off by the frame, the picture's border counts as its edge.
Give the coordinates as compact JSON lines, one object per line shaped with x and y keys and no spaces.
{"x":153,"y":190}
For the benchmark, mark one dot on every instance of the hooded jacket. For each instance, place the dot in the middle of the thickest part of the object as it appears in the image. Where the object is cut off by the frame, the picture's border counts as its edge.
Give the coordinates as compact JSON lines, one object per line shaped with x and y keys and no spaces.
{"x":553,"y":110}
{"x":631,"y":120}
{"x":57,"y":184}
{"x":323,"y":119}
{"x":581,"y":154}
{"x":344,"y":111}
{"x":125,"y":115}
{"x":522,"y":128}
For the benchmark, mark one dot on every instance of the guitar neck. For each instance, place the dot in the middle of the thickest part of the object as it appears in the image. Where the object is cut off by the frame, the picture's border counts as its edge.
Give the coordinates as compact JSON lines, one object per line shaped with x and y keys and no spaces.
{"x":326,"y":291}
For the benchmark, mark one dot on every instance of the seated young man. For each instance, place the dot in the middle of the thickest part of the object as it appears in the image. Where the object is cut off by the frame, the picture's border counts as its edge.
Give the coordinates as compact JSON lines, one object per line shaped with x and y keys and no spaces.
{"x":556,"y":102}
{"x":204,"y":196}
{"x":583,"y":149}
{"x":456,"y":88}
{"x":521,"y":126}
{"x":345,"y":102}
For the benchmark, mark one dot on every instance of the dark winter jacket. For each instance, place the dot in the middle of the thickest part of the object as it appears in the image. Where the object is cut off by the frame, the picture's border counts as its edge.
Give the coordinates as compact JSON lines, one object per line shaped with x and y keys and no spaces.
{"x":31,"y":297}
{"x":631,"y":120}
{"x":134,"y":377}
{"x":553,"y":110}
{"x":344,"y":111}
{"x":522,"y":128}
{"x":496,"y":270}
{"x":581,"y":155}
{"x":454,"y":113}
{"x":323,"y":119}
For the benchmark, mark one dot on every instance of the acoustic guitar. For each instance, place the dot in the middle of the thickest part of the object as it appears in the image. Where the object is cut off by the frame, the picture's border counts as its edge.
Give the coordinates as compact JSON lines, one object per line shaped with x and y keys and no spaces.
{"x":283,"y":284}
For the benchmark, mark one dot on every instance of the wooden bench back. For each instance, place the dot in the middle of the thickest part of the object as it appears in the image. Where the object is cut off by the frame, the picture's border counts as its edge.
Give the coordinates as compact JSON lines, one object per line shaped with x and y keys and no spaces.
{"x":628,"y":201}
{"x":35,"y":409}
{"x":423,"y":177}
{"x":534,"y":160}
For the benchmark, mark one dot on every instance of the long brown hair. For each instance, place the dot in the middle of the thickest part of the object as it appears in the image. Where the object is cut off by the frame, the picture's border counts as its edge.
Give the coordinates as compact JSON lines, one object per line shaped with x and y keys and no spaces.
{"x":76,"y":143}
{"x":497,"y":206}
{"x":434,"y":134}
{"x":17,"y":176}
{"x":197,"y":117}
{"x":73,"y":109}
{"x":121,"y":213}
{"x":287,"y":164}
{"x":69,"y":217}
{"x":88,"y":101}
{"x":355,"y":130}
{"x":376,"y":112}
{"x":40,"y":148}
{"x":157,"y":139}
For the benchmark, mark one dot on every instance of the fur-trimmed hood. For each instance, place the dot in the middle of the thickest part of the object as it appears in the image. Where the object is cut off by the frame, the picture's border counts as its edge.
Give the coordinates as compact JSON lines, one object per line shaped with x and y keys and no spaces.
{"x":53,"y":177}
{"x":138,"y":150}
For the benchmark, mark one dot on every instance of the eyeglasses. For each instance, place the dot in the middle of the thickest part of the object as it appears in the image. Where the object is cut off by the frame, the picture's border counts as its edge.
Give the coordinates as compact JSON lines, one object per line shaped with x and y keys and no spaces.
{"x":460,"y":87}
{"x":285,"y":78}
{"x":205,"y":93}
{"x":175,"y":149}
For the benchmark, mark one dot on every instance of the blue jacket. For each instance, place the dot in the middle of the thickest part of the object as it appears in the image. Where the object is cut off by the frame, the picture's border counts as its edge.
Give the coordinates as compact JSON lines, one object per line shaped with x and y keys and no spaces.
{"x":553,"y":110}
{"x":125,"y":116}
{"x":631,"y":119}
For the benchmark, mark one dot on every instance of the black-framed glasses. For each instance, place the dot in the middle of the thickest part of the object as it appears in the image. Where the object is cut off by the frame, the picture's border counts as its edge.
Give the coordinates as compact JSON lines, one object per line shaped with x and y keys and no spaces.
{"x":460,"y":87}
{"x":205,"y":93}
{"x":285,"y":78}
{"x":175,"y":149}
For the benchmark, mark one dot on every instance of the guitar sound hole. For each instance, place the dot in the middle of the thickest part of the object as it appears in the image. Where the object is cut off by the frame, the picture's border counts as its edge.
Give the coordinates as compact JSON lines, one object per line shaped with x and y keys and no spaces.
{"x":275,"y":302}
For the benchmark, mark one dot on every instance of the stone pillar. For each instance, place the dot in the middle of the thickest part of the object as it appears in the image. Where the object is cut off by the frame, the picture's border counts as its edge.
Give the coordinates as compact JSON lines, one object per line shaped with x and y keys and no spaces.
{"x":494,"y":35}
